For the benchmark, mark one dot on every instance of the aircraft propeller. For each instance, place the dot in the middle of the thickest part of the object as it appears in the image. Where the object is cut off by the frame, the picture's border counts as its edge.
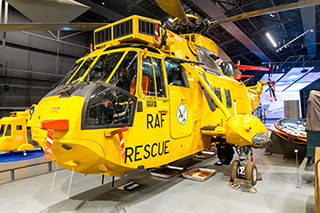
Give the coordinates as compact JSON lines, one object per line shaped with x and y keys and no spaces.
{"x":172,"y":7}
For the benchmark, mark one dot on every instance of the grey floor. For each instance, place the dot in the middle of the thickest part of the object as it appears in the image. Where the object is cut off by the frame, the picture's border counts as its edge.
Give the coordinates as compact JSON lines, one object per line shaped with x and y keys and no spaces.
{"x":277,"y":191}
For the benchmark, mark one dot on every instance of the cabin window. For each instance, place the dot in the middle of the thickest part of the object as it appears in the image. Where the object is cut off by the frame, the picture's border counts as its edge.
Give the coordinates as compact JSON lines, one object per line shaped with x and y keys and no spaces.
{"x":176,"y":74}
{"x":2,"y":129}
{"x":211,"y":103}
{"x":125,"y":76}
{"x":19,"y":127}
{"x":161,"y":87}
{"x":77,"y":76}
{"x":228,"y":99}
{"x":104,"y":66}
{"x":8,"y":130}
{"x":218,"y":93}
{"x":147,"y":83}
{"x":108,"y":106}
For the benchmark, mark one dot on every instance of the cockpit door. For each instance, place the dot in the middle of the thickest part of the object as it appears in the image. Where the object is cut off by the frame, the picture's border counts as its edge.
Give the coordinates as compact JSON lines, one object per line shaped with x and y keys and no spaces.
{"x":153,"y":90}
{"x":181,"y":112}
{"x":152,"y":113}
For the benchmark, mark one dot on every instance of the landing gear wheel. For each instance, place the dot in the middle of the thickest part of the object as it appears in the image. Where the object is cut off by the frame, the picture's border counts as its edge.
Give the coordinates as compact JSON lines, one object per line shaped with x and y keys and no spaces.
{"x":24,"y":153}
{"x":234,"y":170}
{"x":251,"y":173}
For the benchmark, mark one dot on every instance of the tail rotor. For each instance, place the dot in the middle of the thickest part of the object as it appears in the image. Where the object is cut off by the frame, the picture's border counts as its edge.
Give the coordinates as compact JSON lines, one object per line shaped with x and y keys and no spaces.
{"x":271,"y":84}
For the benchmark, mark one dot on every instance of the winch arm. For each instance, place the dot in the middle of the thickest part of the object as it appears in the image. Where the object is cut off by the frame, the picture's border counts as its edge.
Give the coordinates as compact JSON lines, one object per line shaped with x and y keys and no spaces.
{"x":216,"y":100}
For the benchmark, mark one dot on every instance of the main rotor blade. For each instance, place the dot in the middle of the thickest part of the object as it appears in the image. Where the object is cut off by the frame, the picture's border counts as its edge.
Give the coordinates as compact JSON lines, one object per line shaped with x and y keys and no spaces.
{"x":280,"y":8}
{"x":51,"y":26}
{"x":174,"y":8}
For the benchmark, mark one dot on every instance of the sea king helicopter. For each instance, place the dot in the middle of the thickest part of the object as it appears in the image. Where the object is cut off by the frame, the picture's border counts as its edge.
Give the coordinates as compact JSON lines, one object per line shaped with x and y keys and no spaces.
{"x":150,"y":94}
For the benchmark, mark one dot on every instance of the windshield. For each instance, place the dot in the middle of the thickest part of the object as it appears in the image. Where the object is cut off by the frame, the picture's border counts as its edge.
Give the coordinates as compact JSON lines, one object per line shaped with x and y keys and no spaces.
{"x":2,"y":129}
{"x":210,"y":65}
{"x":104,"y":66}
{"x":65,"y":79}
{"x":108,"y":106}
{"x":124,"y":76}
{"x":78,"y":75}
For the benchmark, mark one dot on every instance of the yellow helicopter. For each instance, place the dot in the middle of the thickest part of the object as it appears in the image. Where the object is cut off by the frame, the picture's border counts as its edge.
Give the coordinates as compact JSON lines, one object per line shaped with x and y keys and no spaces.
{"x":13,"y":132}
{"x":149,"y":94}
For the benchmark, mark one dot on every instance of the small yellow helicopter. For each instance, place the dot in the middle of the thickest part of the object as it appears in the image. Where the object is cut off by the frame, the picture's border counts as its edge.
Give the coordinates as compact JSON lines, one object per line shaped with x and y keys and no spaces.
{"x":149,"y":94}
{"x":13,"y":132}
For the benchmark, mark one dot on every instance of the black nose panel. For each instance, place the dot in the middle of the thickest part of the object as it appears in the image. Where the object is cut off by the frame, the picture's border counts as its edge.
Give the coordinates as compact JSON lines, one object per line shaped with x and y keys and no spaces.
{"x":261,"y":140}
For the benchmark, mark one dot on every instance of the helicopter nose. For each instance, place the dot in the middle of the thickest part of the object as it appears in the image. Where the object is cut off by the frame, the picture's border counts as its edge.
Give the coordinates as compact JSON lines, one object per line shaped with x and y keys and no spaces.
{"x":261,"y":140}
{"x":55,"y":124}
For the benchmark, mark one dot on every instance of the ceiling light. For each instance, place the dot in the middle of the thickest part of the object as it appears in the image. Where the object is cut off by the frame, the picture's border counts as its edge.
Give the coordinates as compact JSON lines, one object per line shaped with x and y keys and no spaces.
{"x":271,"y":40}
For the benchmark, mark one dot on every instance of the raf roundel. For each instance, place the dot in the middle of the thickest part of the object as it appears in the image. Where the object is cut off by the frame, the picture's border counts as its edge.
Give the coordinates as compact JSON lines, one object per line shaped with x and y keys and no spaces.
{"x":182,"y":114}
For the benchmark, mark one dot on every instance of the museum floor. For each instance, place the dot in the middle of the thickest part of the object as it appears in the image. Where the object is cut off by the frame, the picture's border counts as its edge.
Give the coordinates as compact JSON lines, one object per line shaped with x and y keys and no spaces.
{"x":276,"y":192}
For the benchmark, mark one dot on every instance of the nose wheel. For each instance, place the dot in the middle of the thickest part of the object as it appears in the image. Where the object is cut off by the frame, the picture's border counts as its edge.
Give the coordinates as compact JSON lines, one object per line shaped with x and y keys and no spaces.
{"x":234,"y":170}
{"x":241,"y":169}
{"x":251,"y":173}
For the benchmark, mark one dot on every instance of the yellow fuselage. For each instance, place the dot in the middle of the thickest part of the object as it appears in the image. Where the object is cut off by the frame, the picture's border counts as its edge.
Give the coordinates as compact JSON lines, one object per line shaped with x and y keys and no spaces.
{"x":163,"y":129}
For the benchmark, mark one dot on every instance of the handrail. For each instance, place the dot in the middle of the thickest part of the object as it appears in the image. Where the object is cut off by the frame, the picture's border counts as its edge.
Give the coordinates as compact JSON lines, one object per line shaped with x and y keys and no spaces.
{"x":26,"y":166}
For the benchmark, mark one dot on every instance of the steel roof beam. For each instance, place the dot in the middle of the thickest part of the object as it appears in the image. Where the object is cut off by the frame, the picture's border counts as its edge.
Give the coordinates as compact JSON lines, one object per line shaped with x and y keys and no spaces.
{"x":283,"y":27}
{"x":214,"y":12}
{"x":308,"y":16}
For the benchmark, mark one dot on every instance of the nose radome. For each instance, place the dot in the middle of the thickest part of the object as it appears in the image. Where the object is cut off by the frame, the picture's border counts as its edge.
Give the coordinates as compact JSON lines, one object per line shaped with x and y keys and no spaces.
{"x":261,"y":140}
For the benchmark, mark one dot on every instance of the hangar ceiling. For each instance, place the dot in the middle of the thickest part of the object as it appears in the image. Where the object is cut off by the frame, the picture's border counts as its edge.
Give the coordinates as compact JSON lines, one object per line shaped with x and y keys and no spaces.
{"x":243,"y":40}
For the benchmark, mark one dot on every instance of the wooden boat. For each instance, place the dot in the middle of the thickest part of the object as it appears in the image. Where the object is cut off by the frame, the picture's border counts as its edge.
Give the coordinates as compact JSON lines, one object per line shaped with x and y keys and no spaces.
{"x":290,"y":130}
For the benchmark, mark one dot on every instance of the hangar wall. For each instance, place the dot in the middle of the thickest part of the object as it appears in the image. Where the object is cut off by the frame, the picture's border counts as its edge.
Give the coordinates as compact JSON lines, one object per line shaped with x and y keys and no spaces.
{"x":304,"y":94}
{"x":34,"y":61}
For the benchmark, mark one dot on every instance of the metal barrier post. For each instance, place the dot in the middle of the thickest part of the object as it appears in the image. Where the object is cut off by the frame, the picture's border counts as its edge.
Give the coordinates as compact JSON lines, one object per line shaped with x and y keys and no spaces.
{"x":12,"y":174}
{"x":50,"y":166}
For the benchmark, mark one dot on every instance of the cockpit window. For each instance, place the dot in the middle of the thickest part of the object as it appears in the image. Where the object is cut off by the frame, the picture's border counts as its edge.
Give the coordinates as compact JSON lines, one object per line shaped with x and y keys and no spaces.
{"x":108,"y":107}
{"x":161,"y":87}
{"x":176,"y":74}
{"x":147,"y":83}
{"x":126,"y":74}
{"x":65,"y":79}
{"x":78,"y":75}
{"x":104,"y":66}
{"x":210,"y":65}
{"x":8,"y":130}
{"x":2,"y":129}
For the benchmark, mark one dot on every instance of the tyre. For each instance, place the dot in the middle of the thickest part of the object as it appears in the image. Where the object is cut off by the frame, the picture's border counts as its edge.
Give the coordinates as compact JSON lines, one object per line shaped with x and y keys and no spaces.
{"x":251,"y":173}
{"x":234,"y":170}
